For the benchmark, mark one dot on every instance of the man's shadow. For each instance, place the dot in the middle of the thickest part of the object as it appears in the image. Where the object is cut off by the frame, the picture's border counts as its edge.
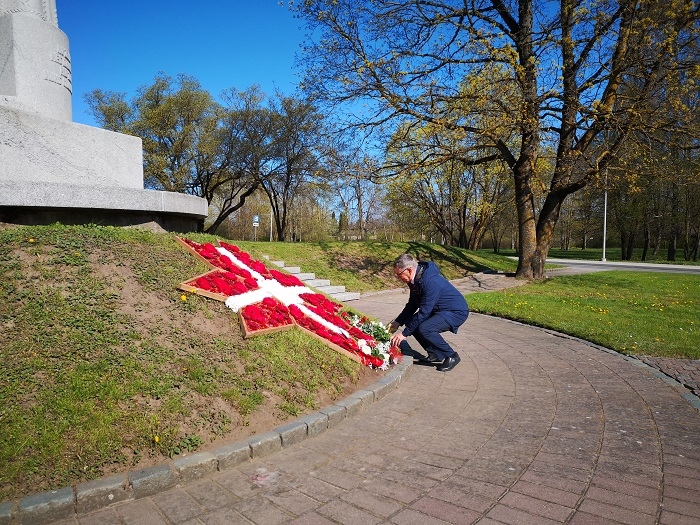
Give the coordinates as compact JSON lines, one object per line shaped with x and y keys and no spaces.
{"x":407,"y":351}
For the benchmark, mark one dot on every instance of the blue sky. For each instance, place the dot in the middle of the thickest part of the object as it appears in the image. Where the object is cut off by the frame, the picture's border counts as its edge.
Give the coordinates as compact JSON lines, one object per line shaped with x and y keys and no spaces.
{"x":119,"y":45}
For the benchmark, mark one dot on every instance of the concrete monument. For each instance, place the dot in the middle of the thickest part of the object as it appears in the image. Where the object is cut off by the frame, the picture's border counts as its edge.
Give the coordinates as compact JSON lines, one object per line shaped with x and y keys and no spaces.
{"x":52,"y":169}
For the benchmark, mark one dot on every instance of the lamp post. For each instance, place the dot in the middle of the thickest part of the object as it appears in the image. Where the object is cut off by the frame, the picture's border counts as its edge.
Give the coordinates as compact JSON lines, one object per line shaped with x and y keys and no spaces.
{"x":605,"y":212}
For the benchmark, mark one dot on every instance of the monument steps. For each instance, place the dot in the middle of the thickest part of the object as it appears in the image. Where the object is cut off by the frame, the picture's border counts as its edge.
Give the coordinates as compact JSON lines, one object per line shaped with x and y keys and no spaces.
{"x":324,"y":286}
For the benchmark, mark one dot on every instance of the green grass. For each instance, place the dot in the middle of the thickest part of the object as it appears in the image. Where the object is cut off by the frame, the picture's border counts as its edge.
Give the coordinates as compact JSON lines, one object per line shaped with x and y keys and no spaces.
{"x":105,"y":366}
{"x":631,"y":312}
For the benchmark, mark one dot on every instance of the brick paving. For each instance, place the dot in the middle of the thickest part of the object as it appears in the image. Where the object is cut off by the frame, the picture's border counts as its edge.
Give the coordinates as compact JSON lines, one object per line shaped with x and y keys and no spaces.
{"x":685,"y":371}
{"x":530,"y":428}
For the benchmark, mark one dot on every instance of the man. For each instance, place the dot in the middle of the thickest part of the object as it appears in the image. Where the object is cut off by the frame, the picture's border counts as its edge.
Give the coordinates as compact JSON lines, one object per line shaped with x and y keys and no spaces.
{"x":434,"y":306}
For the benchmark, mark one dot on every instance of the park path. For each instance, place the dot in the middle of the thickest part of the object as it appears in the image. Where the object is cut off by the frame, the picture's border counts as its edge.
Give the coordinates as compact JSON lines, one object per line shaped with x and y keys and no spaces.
{"x":530,"y":428}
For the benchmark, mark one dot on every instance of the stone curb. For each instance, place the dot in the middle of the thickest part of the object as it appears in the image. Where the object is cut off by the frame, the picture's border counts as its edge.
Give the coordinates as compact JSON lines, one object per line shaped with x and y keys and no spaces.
{"x":68,"y":502}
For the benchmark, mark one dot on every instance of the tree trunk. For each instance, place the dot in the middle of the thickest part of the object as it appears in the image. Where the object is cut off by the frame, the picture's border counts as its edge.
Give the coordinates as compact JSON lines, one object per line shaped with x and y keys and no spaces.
{"x":477,"y":235}
{"x":530,"y":263}
{"x":673,"y":244}
{"x":647,"y":242}
{"x":627,"y":244}
{"x":545,"y":230}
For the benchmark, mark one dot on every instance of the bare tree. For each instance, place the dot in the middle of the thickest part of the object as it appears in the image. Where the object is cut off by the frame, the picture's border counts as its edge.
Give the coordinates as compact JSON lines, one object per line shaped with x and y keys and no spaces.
{"x":294,"y":158}
{"x":191,"y":143}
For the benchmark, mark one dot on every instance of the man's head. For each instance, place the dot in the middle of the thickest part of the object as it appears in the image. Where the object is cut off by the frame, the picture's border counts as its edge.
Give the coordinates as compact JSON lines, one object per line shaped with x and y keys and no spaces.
{"x":405,"y":267}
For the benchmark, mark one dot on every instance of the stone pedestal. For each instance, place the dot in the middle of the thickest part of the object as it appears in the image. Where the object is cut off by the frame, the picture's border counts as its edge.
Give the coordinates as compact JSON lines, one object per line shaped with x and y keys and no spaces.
{"x":35,"y":149}
{"x":52,"y":169}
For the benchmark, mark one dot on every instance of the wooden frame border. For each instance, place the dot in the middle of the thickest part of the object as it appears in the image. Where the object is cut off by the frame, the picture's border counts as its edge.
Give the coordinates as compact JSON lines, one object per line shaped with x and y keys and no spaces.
{"x":195,"y":253}
{"x":329,"y":344}
{"x":251,"y":333}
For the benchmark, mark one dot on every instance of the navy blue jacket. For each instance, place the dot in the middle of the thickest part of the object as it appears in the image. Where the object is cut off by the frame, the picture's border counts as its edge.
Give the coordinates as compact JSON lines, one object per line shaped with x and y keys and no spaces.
{"x":432,"y":294}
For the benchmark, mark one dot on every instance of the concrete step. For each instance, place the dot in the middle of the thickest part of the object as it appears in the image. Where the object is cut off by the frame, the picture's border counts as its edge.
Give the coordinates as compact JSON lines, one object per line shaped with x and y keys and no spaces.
{"x":346,"y":296}
{"x":295,"y":270}
{"x":322,"y":285}
{"x":330,"y":290}
{"x":317,"y":282}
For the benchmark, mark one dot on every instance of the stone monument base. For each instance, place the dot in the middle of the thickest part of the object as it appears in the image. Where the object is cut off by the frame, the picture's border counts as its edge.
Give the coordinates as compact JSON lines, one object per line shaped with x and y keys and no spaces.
{"x":47,"y":203}
{"x":57,"y":171}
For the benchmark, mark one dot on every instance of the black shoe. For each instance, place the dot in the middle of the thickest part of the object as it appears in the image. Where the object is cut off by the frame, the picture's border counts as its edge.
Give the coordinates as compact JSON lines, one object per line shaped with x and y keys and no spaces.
{"x":430,"y":360}
{"x":449,"y":363}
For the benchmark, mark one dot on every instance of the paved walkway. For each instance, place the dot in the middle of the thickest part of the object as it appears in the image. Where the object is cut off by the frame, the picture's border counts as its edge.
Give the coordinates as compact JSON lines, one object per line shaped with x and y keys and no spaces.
{"x":530,"y":428}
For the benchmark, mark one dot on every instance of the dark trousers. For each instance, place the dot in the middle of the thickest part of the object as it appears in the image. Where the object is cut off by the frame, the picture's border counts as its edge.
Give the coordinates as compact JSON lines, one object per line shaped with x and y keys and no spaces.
{"x":428,"y":336}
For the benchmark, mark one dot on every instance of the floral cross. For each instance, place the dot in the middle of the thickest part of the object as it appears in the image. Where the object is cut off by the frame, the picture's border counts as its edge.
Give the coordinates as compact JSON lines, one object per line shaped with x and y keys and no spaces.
{"x":268,"y":300}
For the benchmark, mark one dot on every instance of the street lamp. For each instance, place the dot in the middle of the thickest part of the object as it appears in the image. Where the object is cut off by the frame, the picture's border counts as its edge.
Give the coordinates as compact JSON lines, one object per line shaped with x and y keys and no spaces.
{"x":605,"y":212}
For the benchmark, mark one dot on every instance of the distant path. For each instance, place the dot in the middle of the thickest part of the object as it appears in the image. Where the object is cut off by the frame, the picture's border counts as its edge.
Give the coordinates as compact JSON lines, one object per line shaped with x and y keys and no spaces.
{"x":574,"y":266}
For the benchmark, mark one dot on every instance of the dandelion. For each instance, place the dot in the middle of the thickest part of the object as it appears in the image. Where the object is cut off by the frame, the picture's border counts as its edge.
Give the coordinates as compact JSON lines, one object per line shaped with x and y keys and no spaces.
{"x":156,"y":438}
{"x":31,"y":239}
{"x":183,"y":297}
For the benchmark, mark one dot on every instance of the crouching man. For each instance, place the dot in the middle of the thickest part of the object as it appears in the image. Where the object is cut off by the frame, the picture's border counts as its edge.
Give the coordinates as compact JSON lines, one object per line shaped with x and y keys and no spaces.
{"x":434,"y":306}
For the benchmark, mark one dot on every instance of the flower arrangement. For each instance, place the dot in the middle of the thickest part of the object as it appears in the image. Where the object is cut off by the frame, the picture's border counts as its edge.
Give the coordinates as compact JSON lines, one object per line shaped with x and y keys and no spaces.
{"x":376,"y":341}
{"x":269,"y":300}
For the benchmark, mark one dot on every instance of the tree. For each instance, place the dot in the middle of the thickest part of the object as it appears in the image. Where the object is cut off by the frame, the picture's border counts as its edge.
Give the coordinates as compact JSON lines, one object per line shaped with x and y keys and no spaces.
{"x":191,"y":144}
{"x":248,"y":134}
{"x":293,"y":157}
{"x":436,"y":173}
{"x":348,"y":178}
{"x":110,"y":109}
{"x":581,"y":72}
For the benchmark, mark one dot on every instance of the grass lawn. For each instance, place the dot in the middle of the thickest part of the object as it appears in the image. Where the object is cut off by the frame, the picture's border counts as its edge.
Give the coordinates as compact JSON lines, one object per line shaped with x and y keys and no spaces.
{"x":635,"y":313}
{"x":367,"y":266}
{"x":105,"y":367}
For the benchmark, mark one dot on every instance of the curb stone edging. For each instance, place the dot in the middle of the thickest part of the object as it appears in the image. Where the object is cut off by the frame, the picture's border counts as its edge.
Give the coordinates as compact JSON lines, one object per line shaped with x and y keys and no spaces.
{"x":89,"y":496}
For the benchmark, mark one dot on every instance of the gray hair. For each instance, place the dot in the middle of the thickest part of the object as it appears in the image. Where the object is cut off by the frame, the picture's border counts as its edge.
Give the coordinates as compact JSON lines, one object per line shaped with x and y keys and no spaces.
{"x":405,"y":261}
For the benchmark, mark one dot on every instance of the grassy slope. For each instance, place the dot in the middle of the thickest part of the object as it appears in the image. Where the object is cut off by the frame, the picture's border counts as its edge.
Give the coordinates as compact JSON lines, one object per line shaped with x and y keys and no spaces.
{"x":106,"y":367}
{"x":367,"y":266}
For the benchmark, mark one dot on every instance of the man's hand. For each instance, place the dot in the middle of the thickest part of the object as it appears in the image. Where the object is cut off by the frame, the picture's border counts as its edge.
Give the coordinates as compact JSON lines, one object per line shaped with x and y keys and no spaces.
{"x":396,"y":339}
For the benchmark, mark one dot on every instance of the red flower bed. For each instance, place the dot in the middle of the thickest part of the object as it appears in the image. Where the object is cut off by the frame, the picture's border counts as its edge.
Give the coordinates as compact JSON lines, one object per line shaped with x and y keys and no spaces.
{"x":285,"y":279}
{"x":321,"y":301}
{"x":314,"y":326}
{"x":270,"y":314}
{"x":230,"y":247}
{"x":224,"y":283}
{"x":210,"y":254}
{"x":330,"y":317}
{"x":266,"y":314}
